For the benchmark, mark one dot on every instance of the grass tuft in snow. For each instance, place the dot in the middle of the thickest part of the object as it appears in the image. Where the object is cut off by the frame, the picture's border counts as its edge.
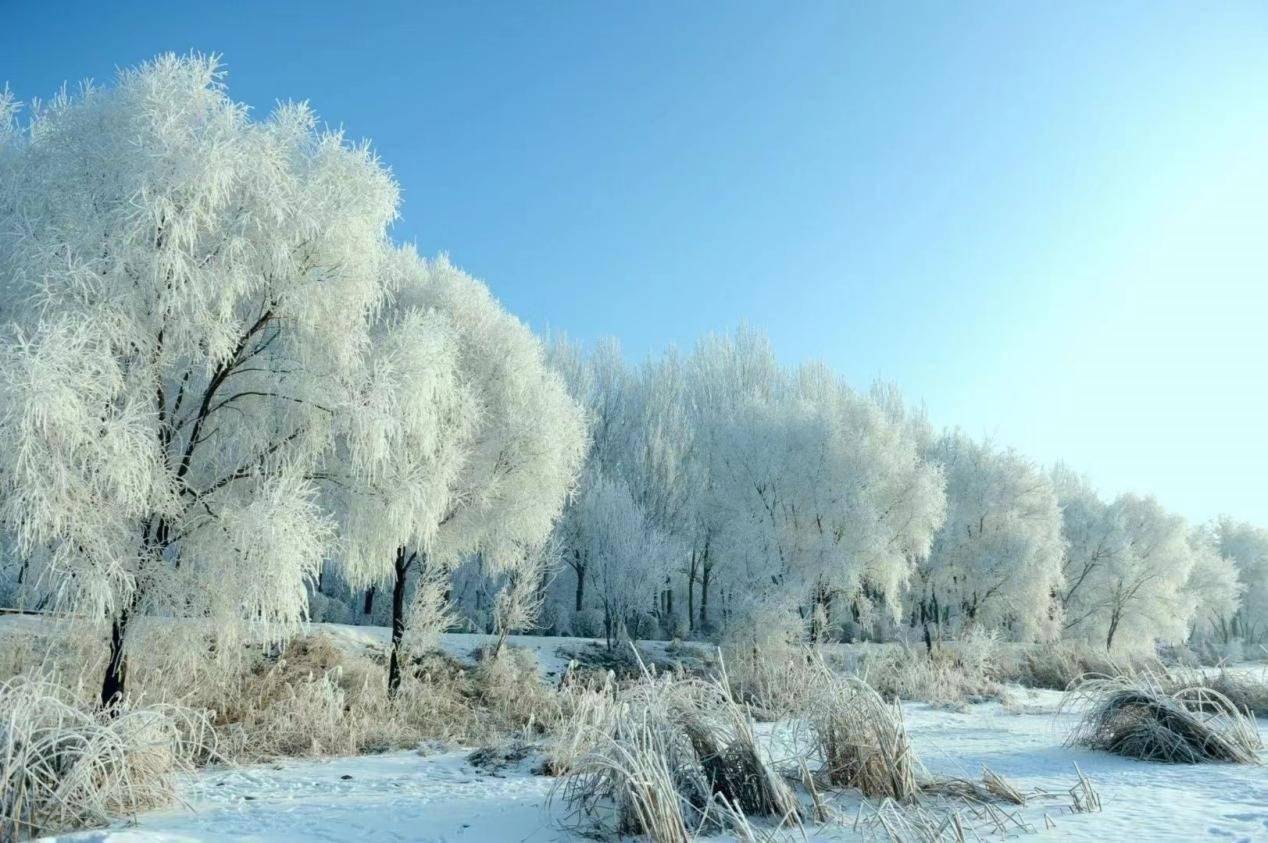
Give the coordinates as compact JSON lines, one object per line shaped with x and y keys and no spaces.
{"x":65,"y":765}
{"x":1247,"y":691}
{"x":667,"y":756}
{"x":1136,"y":717}
{"x":861,"y":739}
{"x":314,"y":699}
{"x":949,"y":676}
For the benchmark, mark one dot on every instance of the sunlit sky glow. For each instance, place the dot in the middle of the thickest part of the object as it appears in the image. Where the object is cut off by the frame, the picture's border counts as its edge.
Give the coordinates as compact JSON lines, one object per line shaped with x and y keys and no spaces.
{"x":1046,"y":220}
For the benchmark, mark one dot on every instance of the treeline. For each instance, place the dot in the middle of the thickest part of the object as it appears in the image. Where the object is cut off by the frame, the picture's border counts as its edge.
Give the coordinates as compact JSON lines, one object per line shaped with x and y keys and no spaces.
{"x":725,"y":492}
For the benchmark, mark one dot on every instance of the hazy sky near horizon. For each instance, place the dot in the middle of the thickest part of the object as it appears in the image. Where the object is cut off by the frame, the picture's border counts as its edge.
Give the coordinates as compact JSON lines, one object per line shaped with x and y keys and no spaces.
{"x":1048,"y":221}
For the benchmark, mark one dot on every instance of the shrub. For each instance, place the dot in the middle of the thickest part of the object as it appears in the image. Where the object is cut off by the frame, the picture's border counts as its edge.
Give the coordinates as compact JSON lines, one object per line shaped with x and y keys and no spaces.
{"x":1247,"y":692}
{"x":510,"y":690}
{"x":315,"y":699}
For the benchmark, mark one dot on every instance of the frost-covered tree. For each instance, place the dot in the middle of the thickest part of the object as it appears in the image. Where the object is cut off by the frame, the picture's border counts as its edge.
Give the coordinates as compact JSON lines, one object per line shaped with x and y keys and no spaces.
{"x":1247,"y":546}
{"x":1127,"y":564}
{"x":405,"y":448}
{"x":627,"y":557}
{"x":997,"y":560}
{"x":190,"y":290}
{"x":600,"y":382}
{"x":472,"y":449}
{"x":820,"y":493}
{"x":1212,"y":587}
{"x":664,"y":474}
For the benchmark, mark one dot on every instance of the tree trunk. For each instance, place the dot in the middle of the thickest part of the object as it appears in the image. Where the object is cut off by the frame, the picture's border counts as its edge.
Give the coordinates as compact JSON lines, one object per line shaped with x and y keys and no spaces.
{"x":398,"y":622}
{"x":818,"y":625}
{"x":691,"y":594}
{"x":704,"y":597}
{"x":581,"y":586}
{"x":112,"y":686}
{"x":924,"y":621}
{"x":497,"y":648}
{"x":1113,"y":628}
{"x":369,"y":601}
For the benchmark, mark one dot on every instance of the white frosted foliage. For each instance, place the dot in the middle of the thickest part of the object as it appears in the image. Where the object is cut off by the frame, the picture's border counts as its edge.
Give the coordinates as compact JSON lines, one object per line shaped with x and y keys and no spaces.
{"x":192,"y":291}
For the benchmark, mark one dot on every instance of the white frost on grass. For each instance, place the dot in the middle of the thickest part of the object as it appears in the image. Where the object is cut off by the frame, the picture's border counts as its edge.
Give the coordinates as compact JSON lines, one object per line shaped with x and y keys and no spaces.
{"x":407,"y":796}
{"x":410,"y":796}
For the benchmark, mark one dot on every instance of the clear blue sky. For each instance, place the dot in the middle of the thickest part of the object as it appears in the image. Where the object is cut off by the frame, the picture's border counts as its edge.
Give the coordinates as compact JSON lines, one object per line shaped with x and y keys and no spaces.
{"x":1049,"y":221}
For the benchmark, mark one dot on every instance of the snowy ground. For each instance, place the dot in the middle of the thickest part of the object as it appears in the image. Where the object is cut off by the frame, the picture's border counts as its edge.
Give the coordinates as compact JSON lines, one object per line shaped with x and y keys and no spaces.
{"x":1142,"y":801}
{"x":439,"y":796}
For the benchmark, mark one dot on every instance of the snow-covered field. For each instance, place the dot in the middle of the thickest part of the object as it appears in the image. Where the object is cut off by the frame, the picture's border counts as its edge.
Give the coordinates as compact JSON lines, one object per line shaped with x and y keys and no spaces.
{"x":438,"y":795}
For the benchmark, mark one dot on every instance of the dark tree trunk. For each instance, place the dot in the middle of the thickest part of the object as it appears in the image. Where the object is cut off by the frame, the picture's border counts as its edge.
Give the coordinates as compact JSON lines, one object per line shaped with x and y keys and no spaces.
{"x":369,"y":601}
{"x":1113,"y":628}
{"x":704,"y":597}
{"x":398,"y":620}
{"x":543,"y":585}
{"x":581,"y":586}
{"x":112,"y":686}
{"x":691,"y":594}
{"x":924,"y":622}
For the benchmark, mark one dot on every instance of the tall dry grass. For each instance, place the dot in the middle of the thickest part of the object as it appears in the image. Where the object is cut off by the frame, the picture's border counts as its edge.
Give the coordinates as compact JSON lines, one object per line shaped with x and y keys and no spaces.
{"x":314,"y":699}
{"x":1138,"y":717}
{"x":1057,"y":665}
{"x":949,"y":676}
{"x":860,"y":739}
{"x":65,"y":766}
{"x":666,"y":756}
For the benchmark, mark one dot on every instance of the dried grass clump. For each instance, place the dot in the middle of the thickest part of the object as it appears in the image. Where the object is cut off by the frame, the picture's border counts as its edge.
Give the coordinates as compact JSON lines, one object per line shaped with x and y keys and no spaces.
{"x":1057,"y":666}
{"x":1137,"y":718}
{"x":668,"y":757}
{"x":512,"y":695}
{"x":774,"y":684}
{"x":767,"y":664}
{"x":66,"y":651}
{"x":949,"y":676}
{"x":861,"y":739}
{"x":957,"y":810}
{"x":64,"y":765}
{"x":588,"y":711}
{"x":314,"y":699}
{"x":1247,"y":692}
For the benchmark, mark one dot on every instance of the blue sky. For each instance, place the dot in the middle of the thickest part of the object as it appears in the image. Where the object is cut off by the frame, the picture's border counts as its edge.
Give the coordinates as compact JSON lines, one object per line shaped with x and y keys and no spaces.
{"x":1049,"y":221}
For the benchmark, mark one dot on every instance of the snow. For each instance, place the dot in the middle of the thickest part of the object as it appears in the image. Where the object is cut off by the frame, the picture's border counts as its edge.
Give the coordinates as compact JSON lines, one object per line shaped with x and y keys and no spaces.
{"x":1141,"y":800}
{"x":397,"y":796}
{"x":437,"y":795}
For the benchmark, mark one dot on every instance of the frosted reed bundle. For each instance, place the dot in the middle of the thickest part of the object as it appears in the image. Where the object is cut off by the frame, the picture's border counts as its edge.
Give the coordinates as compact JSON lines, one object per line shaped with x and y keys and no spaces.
{"x":1137,"y":718}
